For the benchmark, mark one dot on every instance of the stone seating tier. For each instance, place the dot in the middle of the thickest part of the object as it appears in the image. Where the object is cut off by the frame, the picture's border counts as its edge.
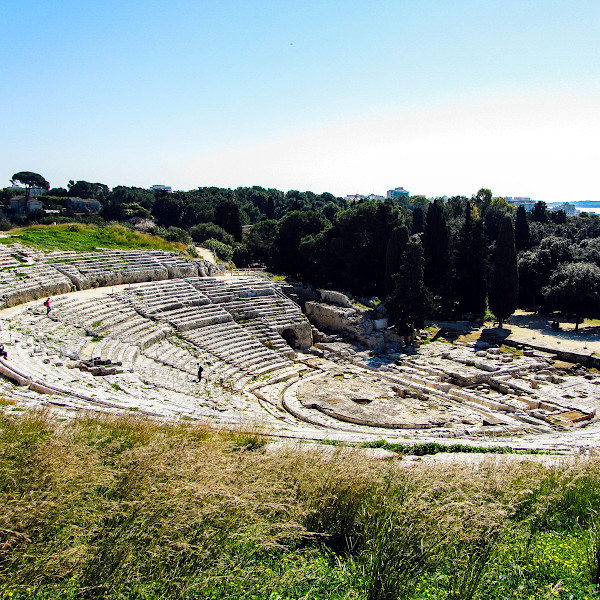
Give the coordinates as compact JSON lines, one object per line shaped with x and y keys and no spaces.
{"x":211,"y":334}
{"x":238,"y":287}
{"x":233,"y":334}
{"x":118,"y":267}
{"x":269,"y":305}
{"x":70,"y":381}
{"x":187,"y":318}
{"x":30,"y":282}
{"x":100,"y":315}
{"x":167,"y":295}
{"x":241,"y":349}
{"x":267,"y":335}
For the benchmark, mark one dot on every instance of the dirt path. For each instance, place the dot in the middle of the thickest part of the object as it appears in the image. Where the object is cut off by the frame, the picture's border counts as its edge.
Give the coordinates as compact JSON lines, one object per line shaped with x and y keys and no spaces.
{"x":206,"y":254}
{"x":538,"y":329}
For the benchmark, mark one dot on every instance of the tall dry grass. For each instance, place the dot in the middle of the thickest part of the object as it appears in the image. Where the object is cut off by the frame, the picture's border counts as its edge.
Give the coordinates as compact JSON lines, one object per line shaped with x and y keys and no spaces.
{"x":118,"y":502}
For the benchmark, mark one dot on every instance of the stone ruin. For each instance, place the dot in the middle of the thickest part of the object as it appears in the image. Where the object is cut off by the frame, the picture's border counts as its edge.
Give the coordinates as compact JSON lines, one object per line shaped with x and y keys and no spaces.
{"x":335,"y":372}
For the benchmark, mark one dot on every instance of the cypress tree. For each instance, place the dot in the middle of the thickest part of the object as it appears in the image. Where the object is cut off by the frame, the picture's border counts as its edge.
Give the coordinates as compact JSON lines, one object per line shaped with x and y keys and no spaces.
{"x":505,"y":280}
{"x":227,"y":216}
{"x":394,"y":255}
{"x":470,"y":266}
{"x":270,"y":211}
{"x":521,"y":230}
{"x":539,"y":213}
{"x":409,"y":304}
{"x":417,"y":221}
{"x":437,"y":263}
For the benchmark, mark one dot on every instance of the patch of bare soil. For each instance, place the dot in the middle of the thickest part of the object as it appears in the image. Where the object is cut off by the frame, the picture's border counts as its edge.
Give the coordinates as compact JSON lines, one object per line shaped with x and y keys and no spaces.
{"x":538,"y":329}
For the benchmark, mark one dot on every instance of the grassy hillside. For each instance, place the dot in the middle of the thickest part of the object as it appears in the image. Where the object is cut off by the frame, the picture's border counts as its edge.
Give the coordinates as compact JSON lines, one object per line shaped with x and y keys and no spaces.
{"x":86,"y":238}
{"x":131,"y":508}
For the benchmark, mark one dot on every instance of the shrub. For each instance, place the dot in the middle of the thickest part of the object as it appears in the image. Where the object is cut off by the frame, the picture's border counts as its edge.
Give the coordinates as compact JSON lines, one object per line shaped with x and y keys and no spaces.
{"x":205,"y":231}
{"x":222,"y":251}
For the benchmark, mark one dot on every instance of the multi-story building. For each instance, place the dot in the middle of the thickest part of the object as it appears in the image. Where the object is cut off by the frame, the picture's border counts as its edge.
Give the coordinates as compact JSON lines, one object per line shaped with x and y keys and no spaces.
{"x":568,"y":207}
{"x":398,"y":192}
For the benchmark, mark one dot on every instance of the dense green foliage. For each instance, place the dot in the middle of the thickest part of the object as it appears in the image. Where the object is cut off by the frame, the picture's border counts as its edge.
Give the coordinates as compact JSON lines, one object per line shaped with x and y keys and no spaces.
{"x":361,"y":248}
{"x":505,"y":281}
{"x":574,"y":288}
{"x":129,"y":508}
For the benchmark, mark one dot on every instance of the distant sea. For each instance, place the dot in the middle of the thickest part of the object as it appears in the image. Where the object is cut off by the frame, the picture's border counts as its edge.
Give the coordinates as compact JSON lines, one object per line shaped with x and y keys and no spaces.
{"x":589,"y":206}
{"x":588,"y":209}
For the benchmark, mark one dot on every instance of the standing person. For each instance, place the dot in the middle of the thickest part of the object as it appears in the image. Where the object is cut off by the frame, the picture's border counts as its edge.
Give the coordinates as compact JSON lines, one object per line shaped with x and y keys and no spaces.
{"x":47,"y":305}
{"x":200,"y":369}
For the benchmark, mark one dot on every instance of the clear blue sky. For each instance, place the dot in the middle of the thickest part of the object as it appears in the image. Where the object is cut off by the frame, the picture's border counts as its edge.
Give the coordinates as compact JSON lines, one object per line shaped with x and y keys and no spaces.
{"x":440,"y":97}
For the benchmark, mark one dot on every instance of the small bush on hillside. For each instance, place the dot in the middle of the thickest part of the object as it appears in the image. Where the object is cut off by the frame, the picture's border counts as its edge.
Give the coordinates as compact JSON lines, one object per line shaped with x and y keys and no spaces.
{"x":222,"y":251}
{"x":205,"y":231}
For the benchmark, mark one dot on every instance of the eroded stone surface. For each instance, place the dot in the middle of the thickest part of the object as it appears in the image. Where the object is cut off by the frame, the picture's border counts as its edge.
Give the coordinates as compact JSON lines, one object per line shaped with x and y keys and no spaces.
{"x":253,"y":343}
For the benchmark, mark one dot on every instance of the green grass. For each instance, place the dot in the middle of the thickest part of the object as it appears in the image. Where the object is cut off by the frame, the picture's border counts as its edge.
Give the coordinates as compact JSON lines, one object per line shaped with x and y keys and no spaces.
{"x":435,"y":448}
{"x":86,"y":238}
{"x":130,"y":508}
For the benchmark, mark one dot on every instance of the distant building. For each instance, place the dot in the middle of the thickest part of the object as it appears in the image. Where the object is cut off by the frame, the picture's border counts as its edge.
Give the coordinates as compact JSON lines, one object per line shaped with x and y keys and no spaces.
{"x":33,"y":191}
{"x":161,"y":188}
{"x":20,"y":206}
{"x":398,"y":192}
{"x":526,"y":203}
{"x":354,"y":197}
{"x":80,"y":205}
{"x":568,"y":207}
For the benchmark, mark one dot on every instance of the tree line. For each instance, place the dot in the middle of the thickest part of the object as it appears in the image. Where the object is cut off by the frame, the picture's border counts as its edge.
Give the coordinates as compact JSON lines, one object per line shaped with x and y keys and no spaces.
{"x":448,"y":258}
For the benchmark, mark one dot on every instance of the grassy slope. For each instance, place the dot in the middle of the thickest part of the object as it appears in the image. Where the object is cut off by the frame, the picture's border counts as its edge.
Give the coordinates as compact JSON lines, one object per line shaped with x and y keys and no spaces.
{"x":131,"y":508}
{"x":86,"y":238}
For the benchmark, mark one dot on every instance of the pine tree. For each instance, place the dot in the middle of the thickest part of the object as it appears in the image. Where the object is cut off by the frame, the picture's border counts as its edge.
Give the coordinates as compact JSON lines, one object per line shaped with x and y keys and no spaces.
{"x":505,"y":280}
{"x":521,"y":230}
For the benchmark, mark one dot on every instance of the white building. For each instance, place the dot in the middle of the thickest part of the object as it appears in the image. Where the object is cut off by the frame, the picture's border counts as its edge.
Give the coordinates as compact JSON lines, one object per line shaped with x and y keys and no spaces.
{"x":568,"y":207}
{"x":526,"y":203}
{"x":33,"y":191}
{"x":161,"y":188}
{"x":398,"y":192}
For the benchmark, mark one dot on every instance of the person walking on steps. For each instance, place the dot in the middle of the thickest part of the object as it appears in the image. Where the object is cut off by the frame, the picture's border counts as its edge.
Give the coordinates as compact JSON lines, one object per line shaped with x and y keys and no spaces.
{"x":47,"y":305}
{"x":200,"y":369}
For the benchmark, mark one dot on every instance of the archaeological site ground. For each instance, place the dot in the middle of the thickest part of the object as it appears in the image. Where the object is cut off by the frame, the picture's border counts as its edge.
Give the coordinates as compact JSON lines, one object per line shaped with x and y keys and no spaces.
{"x":127,"y":328}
